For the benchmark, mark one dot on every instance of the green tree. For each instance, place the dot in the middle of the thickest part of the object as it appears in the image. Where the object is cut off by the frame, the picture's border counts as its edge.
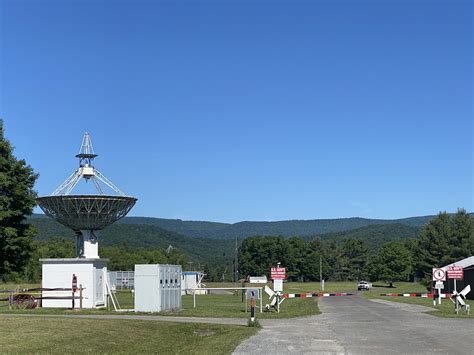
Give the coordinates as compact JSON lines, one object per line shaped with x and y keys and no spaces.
{"x":394,"y":262}
{"x":433,"y":246}
{"x":461,"y":237}
{"x":443,"y":241}
{"x":347,"y":259}
{"x":296,"y":251}
{"x":314,"y":253}
{"x":258,"y":254}
{"x":17,"y":200}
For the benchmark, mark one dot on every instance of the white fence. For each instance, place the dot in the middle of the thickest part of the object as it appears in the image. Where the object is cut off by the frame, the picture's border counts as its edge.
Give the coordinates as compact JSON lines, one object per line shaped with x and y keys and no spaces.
{"x":121,"y":279}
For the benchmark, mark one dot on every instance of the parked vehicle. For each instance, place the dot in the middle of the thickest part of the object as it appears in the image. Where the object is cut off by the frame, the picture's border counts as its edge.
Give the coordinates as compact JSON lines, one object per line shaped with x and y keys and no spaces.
{"x":363,"y":286}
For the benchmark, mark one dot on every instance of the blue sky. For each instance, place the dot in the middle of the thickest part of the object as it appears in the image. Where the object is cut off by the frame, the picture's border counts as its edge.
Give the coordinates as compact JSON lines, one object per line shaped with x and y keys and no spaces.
{"x":248,"y":110}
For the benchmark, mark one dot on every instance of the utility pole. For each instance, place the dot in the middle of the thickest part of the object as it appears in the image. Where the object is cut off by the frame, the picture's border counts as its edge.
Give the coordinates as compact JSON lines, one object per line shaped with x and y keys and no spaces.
{"x":236,"y":265}
{"x":321,"y":288}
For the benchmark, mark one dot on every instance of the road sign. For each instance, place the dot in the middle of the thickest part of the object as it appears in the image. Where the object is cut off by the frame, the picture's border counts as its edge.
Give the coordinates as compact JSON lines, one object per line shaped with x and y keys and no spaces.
{"x":439,"y":285}
{"x":74,"y":283}
{"x":455,"y":272}
{"x":278,"y":285}
{"x":278,"y":273}
{"x":439,"y":274}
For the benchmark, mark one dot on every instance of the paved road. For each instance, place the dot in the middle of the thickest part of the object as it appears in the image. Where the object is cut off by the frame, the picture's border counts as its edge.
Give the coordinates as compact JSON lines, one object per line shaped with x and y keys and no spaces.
{"x":357,"y":325}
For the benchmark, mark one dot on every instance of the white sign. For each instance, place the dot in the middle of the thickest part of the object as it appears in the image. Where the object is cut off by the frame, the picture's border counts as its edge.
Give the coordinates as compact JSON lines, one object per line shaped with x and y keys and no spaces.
{"x":257,"y":279}
{"x":439,"y":274}
{"x":278,"y":285}
{"x":439,"y":285}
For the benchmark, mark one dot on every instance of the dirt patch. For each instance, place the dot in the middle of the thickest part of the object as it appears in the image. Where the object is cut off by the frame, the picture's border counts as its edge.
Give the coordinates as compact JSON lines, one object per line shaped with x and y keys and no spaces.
{"x":204,"y":332}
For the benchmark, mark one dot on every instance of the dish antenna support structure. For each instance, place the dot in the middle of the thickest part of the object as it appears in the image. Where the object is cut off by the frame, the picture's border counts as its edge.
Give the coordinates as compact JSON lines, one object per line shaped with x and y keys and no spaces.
{"x":86,"y":215}
{"x":86,"y":171}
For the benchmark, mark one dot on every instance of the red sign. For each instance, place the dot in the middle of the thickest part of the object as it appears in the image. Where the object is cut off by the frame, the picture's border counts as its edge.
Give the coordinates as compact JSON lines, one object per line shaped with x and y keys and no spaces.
{"x":74,"y":283}
{"x":455,"y":272}
{"x":278,"y":273}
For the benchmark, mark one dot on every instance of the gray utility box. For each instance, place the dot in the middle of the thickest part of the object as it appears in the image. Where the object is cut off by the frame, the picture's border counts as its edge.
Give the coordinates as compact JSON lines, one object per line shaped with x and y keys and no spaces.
{"x":157,"y":288}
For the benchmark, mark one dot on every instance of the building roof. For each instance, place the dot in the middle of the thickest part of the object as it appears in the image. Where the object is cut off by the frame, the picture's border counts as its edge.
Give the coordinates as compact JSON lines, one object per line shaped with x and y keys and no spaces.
{"x":464,"y":262}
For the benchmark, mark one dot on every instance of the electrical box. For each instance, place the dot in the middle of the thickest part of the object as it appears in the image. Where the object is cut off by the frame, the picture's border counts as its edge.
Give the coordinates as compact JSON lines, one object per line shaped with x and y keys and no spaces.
{"x":157,"y":288}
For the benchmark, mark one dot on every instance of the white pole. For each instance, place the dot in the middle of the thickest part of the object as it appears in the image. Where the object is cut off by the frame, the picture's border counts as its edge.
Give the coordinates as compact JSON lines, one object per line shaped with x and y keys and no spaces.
{"x":439,"y":296}
{"x":245,"y":301}
{"x":194,"y":298}
{"x":321,"y":285}
{"x":456,"y":299}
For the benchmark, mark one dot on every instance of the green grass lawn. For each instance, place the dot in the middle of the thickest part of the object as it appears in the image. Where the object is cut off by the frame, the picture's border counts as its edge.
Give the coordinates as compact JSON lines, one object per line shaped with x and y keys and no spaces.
{"x":55,"y":335}
{"x":213,"y":305}
{"x":446,"y":309}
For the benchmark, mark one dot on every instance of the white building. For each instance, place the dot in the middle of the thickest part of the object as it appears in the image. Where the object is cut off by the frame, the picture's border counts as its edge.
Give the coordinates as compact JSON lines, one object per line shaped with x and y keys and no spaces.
{"x":91,"y":274}
{"x":468,"y":265}
{"x":192,"y":280}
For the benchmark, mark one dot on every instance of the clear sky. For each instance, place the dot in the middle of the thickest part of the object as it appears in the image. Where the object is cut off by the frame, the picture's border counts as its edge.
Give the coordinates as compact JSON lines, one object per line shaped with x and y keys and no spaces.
{"x":248,"y":110}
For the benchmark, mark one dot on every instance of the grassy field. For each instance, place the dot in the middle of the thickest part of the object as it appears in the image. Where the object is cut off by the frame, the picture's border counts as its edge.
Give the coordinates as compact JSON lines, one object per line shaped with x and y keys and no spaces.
{"x":54,"y":335}
{"x":218,"y":305}
{"x":213,"y":305}
{"x":446,"y":309}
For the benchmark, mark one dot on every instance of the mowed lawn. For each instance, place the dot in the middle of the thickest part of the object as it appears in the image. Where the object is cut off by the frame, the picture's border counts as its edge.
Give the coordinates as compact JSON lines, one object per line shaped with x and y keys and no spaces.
{"x":446,"y":309}
{"x":60,"y":335}
{"x":231,"y":305}
{"x":212,"y":305}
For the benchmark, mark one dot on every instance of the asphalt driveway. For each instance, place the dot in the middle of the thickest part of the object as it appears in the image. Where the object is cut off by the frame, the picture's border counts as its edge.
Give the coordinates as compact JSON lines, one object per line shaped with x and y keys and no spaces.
{"x":357,"y":325}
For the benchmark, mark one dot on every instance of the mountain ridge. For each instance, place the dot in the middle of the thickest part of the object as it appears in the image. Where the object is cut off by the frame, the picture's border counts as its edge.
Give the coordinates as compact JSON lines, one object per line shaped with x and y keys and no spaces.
{"x":244,"y":229}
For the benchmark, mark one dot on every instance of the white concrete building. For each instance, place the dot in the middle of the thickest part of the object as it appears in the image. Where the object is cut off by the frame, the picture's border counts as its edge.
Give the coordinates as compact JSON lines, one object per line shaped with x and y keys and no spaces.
{"x":91,"y":275}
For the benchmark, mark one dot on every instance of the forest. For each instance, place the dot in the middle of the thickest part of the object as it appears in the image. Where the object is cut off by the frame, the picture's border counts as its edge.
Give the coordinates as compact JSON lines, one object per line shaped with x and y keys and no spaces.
{"x":445,"y":239}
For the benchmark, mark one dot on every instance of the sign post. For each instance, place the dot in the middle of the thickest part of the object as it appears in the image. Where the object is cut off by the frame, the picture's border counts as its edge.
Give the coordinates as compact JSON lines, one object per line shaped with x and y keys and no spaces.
{"x":278,"y":274}
{"x":439,"y":275}
{"x":439,"y":286}
{"x":74,"y":288}
{"x":252,"y":306}
{"x":455,"y":273}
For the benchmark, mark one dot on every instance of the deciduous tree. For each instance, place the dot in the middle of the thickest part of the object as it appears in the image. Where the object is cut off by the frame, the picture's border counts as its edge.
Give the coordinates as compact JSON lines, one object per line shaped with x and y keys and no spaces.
{"x":17,"y":199}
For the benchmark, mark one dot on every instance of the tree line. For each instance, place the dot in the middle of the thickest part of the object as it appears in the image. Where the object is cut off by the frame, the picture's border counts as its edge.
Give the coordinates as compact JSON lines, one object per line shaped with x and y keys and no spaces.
{"x":444,"y":240}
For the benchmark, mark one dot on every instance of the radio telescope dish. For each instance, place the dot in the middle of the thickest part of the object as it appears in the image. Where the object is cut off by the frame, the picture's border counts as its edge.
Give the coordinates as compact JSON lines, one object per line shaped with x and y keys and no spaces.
{"x":86,"y":214}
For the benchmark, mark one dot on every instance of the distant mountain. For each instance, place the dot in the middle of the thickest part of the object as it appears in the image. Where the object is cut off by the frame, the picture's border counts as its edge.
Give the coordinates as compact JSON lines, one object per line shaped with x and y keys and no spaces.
{"x":213,"y":243}
{"x":214,"y":252}
{"x":241,"y":230}
{"x":375,"y":236}
{"x":189,"y":228}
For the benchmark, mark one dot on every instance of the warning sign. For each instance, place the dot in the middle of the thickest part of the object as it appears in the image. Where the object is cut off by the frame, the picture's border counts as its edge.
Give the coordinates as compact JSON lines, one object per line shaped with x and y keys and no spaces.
{"x":278,"y":273}
{"x":455,"y":272}
{"x":439,"y":274}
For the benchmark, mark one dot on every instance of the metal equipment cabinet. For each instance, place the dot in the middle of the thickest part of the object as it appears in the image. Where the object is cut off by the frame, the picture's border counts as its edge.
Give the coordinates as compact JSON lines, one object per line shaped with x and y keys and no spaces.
{"x":157,"y":288}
